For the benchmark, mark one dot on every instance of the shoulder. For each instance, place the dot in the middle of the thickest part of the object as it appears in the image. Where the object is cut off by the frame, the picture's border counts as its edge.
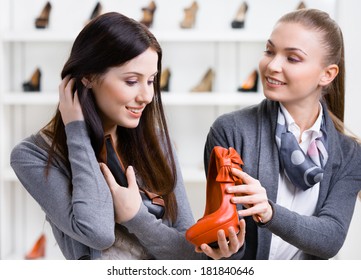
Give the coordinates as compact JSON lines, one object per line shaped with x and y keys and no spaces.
{"x":246,"y":117}
{"x":30,"y":147}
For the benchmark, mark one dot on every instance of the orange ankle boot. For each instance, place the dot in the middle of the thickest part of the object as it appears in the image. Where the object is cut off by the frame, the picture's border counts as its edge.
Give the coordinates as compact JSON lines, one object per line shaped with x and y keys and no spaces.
{"x":219,"y":212}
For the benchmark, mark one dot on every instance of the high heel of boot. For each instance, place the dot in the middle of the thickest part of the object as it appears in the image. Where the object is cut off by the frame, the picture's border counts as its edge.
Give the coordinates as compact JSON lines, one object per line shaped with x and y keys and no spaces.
{"x":164,"y":80}
{"x":220,"y":213}
{"x":38,"y":250}
{"x":43,"y":20}
{"x":148,"y":14}
{"x":251,"y":83}
{"x":206,"y":84}
{"x":190,"y":14}
{"x":34,"y":84}
{"x":240,"y":17}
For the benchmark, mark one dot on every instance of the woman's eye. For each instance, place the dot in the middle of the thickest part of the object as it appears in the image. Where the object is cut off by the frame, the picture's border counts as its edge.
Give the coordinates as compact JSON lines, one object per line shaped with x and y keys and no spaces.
{"x":293,"y":59}
{"x":131,"y":83}
{"x":267,"y":52}
{"x":151,"y":82}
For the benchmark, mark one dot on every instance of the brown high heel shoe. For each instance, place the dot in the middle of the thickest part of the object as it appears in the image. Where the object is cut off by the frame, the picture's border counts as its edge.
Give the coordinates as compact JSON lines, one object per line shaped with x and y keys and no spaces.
{"x":240,"y":18}
{"x":34,"y":83}
{"x":38,"y":250}
{"x":190,"y":16}
{"x":220,"y":212}
{"x":164,"y":80}
{"x":206,"y":84}
{"x":301,"y":5}
{"x":43,"y":20}
{"x":251,"y":83}
{"x":148,"y":14}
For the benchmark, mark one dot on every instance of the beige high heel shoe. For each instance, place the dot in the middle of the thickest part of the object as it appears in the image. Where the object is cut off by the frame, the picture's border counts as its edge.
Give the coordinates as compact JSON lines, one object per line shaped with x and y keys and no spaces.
{"x":240,"y":18}
{"x":206,"y":84}
{"x":190,"y":14}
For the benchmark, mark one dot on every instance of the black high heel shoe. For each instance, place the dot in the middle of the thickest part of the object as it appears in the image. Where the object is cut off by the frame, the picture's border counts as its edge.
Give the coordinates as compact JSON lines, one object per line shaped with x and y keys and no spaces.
{"x":43,"y":20}
{"x":34,"y":83}
{"x":240,"y":18}
{"x":251,"y":83}
{"x":96,"y":11}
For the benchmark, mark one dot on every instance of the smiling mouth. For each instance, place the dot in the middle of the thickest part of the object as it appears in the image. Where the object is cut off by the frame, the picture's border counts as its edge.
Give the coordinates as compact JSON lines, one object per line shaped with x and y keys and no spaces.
{"x":274,"y":82}
{"x":135,"y":111}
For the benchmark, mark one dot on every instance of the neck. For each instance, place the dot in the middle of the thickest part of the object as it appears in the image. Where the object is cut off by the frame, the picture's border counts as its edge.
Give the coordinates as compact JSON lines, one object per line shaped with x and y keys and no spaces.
{"x":304,"y":116}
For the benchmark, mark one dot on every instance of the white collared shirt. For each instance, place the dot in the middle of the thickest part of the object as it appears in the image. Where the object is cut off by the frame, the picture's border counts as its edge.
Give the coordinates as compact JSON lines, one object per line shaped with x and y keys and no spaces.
{"x":291,"y":197}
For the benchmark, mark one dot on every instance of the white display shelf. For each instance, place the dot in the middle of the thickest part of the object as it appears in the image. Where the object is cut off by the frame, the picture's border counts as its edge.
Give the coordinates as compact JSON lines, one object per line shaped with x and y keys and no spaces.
{"x":193,"y":35}
{"x":171,"y":98}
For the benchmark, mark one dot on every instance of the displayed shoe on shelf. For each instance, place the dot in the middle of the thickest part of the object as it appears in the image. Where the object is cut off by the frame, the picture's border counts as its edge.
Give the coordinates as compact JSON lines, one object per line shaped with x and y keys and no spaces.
{"x":148,"y":14}
{"x":38,"y":250}
{"x":240,"y":17}
{"x":43,"y":20}
{"x":301,"y":5}
{"x":251,"y":83}
{"x":164,"y":80}
{"x":220,"y":212}
{"x":206,"y":84}
{"x":34,"y":83}
{"x":190,"y":15}
{"x":97,"y":11}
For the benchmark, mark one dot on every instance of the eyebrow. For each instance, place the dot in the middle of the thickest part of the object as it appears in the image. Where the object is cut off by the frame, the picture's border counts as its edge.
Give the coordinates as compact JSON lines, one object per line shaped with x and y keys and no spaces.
{"x":138,"y":74}
{"x":287,"y":49}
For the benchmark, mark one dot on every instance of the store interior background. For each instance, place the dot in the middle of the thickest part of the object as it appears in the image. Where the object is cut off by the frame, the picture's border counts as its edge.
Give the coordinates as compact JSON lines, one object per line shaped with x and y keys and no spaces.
{"x":188,"y":55}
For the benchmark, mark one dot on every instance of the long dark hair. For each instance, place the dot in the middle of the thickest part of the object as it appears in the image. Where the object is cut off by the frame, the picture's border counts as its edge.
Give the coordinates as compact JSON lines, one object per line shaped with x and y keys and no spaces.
{"x":332,"y":43}
{"x":107,"y":41}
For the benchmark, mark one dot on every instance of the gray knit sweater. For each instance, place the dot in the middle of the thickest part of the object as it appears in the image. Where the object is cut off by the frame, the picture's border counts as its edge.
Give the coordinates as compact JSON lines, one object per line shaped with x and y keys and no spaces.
{"x":251,"y":132}
{"x":79,"y":206}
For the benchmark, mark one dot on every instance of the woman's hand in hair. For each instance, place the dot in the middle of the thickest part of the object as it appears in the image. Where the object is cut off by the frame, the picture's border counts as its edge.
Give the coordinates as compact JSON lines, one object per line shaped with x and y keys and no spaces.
{"x":226,"y":248}
{"x":126,"y":200}
{"x":252,"y":196}
{"x":69,"y":105}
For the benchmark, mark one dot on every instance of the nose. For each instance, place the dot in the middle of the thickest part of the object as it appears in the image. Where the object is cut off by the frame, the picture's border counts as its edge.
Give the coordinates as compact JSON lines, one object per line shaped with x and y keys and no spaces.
{"x":275,"y":64}
{"x":146,"y":94}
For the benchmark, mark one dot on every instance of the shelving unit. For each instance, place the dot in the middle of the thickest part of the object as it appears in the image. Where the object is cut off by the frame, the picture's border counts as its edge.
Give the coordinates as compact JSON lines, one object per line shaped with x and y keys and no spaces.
{"x":233,"y":54}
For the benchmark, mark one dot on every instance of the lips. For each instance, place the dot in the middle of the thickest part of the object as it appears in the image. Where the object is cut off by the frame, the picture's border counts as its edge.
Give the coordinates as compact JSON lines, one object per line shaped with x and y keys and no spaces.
{"x":135,"y":110}
{"x":275,"y":82}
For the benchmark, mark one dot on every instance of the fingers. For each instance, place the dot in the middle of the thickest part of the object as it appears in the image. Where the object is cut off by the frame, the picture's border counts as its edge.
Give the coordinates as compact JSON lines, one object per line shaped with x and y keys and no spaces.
{"x":108,"y":176}
{"x":132,"y":181}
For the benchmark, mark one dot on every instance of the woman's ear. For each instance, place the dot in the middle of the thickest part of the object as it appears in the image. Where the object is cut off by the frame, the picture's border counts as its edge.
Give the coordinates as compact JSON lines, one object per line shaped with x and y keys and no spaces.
{"x":330,"y":73}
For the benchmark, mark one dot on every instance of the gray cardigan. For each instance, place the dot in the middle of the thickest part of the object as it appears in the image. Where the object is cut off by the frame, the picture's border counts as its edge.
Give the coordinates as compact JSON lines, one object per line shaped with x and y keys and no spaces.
{"x":79,"y":206}
{"x":251,"y":132}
